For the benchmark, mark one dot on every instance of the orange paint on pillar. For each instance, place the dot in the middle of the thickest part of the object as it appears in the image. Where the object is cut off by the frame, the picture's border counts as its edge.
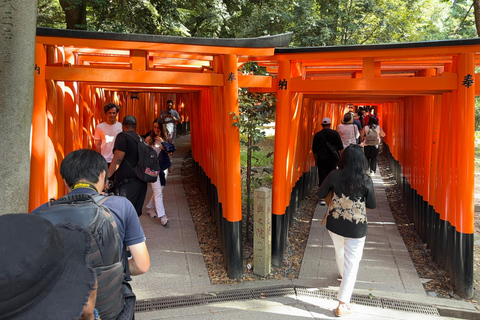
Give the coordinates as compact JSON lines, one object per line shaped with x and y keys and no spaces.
{"x":282,"y":127}
{"x":233,"y":192}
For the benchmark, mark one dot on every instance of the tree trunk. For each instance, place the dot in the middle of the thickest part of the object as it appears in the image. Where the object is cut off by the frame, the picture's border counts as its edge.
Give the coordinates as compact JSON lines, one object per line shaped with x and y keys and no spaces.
{"x":75,"y":13}
{"x":476,"y":13}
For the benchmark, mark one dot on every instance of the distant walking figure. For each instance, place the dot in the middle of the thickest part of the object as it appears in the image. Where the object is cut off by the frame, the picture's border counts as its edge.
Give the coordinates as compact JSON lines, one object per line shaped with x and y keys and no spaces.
{"x":370,"y":136}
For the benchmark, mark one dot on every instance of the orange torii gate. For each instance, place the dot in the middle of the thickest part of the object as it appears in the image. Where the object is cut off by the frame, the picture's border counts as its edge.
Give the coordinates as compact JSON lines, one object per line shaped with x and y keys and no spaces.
{"x":415,"y":88}
{"x":424,"y":94}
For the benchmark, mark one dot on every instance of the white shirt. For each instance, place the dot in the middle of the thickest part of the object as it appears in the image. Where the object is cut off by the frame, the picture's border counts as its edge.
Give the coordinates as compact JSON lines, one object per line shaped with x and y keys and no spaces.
{"x":106,"y":133}
{"x":348,"y":133}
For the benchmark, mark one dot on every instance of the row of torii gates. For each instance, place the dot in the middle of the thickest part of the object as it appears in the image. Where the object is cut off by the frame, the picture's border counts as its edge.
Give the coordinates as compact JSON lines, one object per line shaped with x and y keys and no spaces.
{"x":424,"y":94}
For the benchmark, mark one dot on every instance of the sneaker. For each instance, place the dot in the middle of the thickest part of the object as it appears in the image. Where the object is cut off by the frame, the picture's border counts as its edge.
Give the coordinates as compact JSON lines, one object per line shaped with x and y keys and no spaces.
{"x":343,"y":310}
{"x":322,"y":203}
{"x":164,"y":220}
{"x":151,"y":213}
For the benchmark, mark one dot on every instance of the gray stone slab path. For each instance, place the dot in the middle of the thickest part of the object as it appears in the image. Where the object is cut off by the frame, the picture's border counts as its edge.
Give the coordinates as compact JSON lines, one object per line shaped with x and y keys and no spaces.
{"x":178,"y":269}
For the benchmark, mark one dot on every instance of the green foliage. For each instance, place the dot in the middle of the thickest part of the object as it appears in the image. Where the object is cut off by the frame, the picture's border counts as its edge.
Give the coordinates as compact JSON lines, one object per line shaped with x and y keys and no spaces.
{"x":314,"y":22}
{"x":50,"y":14}
{"x":261,"y":158}
{"x":255,"y":110}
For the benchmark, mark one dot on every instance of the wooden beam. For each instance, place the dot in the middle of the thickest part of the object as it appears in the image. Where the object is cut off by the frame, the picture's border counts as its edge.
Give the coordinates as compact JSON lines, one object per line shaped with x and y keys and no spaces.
{"x":250,"y":81}
{"x":86,"y":74}
{"x":398,"y":85}
{"x":139,"y":59}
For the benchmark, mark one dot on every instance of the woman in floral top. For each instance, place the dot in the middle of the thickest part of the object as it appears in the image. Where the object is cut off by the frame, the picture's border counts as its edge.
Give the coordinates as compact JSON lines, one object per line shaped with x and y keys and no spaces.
{"x":352,"y":194}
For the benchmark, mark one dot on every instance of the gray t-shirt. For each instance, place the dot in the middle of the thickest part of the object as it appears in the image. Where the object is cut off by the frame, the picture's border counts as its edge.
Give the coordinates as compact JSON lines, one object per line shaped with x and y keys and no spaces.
{"x":170,"y":123}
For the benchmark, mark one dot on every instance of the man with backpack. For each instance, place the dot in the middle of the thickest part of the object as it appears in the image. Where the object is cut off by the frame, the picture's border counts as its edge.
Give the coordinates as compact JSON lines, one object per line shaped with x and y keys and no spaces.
{"x":114,"y":225}
{"x":126,"y":167}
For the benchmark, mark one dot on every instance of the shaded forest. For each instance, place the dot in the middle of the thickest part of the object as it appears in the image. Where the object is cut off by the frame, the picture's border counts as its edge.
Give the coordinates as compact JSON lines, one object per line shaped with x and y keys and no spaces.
{"x":314,"y":22}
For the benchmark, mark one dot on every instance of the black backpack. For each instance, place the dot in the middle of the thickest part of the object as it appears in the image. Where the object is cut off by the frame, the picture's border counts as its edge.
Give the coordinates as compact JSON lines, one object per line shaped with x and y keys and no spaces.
{"x":147,"y":167}
{"x":106,"y":248}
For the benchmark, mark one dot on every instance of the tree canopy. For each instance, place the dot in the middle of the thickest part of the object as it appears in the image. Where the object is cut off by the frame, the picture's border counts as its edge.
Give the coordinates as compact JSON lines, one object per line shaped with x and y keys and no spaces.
{"x":314,"y":22}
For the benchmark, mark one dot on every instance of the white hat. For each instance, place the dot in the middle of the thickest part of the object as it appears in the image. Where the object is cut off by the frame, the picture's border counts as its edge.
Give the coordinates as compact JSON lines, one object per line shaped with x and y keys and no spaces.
{"x":326,"y":121}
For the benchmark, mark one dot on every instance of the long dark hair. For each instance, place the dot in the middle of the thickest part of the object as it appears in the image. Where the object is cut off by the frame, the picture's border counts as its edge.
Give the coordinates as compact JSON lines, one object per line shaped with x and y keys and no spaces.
{"x":163,"y":131}
{"x":354,"y":167}
{"x":372,"y":122}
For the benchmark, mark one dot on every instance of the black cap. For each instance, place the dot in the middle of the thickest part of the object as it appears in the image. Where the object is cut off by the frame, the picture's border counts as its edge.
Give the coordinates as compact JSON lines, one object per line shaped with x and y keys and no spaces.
{"x":129,"y":121}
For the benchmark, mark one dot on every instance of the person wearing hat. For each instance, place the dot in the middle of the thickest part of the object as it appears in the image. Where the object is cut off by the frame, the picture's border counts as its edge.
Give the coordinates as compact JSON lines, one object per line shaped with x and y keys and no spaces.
{"x":324,"y":158}
{"x":44,"y":272}
{"x":128,"y":185}
{"x":348,"y":130}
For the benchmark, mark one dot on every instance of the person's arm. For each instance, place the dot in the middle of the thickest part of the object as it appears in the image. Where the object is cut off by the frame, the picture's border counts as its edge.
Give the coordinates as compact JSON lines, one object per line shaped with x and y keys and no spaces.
{"x":140,"y":262}
{"x":362,"y":135}
{"x":382,"y":133}
{"x":98,"y":145}
{"x":177,"y":119}
{"x":98,"y":140}
{"x":88,"y":309}
{"x":116,"y":161}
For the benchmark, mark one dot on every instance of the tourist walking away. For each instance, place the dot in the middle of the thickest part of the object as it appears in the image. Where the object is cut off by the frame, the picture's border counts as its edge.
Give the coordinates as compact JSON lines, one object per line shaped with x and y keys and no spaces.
{"x":125,"y":158}
{"x":155,"y":206}
{"x":371,"y":139}
{"x":106,"y":132}
{"x":352,"y":193}
{"x":171,"y":118}
{"x":348,"y":130}
{"x":326,"y":148}
{"x":113,"y":223}
{"x":44,"y":273}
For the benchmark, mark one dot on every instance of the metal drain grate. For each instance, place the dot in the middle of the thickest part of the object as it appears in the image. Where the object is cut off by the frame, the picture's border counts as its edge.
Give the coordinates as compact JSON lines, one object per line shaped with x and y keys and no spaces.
{"x":410,"y":307}
{"x":366,"y":301}
{"x":279,"y":291}
{"x":314,"y":292}
{"x":169,"y":302}
{"x":233,"y":295}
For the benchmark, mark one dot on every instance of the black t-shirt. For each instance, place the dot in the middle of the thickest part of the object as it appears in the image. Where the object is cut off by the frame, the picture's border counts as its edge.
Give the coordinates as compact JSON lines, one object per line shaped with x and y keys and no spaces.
{"x":129,"y":146}
{"x":319,"y":146}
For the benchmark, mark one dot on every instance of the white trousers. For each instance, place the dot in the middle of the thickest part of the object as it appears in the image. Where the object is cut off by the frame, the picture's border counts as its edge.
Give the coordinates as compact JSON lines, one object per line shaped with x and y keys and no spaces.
{"x":348,"y":253}
{"x":156,"y":201}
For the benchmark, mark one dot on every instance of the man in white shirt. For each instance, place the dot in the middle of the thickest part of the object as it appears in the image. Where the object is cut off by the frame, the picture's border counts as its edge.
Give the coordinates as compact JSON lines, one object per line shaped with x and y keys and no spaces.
{"x":106,"y":132}
{"x":171,"y":118}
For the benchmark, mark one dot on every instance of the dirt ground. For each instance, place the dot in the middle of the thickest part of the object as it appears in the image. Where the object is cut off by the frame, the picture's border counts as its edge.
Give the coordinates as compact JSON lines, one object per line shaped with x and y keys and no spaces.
{"x":436,"y":282}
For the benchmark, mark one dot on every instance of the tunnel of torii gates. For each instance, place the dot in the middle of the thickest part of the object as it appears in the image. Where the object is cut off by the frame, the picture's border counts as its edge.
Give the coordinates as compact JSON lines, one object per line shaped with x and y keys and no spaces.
{"x":423,"y":93}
